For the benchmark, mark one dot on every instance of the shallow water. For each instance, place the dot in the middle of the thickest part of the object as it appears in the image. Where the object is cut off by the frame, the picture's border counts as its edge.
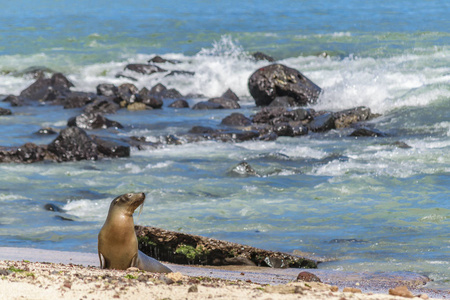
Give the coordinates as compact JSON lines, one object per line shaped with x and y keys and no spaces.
{"x":366,"y":202}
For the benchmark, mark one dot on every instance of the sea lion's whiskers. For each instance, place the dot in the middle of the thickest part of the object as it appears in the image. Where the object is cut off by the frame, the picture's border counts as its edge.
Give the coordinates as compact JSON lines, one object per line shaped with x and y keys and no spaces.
{"x":140,"y":211}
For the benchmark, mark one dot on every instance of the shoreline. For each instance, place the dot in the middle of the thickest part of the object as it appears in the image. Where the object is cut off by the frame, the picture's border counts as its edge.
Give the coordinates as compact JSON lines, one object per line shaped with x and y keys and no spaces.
{"x":50,"y":266}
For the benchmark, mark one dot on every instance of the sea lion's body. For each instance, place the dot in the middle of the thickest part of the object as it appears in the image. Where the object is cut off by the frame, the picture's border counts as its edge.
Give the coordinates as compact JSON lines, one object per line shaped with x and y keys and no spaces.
{"x":117,"y":242}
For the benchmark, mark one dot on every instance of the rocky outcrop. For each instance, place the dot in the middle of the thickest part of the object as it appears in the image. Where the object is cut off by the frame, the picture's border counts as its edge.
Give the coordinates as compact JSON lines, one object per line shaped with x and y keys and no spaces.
{"x":73,"y":144}
{"x":161,"y":92}
{"x":207,"y":105}
{"x":92,"y":121}
{"x":47,"y":89}
{"x":76,"y":99}
{"x":226,"y":103}
{"x":262,"y":56}
{"x":28,"y":153}
{"x":368,"y":132}
{"x":5,"y":112}
{"x":236,"y":119}
{"x":14,"y":100}
{"x":229,"y":94}
{"x":279,"y":119}
{"x":102,"y":105}
{"x":146,"y":97}
{"x":179,"y":104}
{"x":183,"y":248}
{"x":243,"y":169}
{"x":159,"y":60}
{"x":278,"y":80}
{"x":110,"y":147}
{"x":180,"y":72}
{"x":144,"y":68}
{"x":107,"y":89}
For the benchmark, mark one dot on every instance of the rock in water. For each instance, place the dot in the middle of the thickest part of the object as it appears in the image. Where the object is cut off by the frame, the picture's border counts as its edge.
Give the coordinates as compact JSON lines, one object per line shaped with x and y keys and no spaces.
{"x":179,"y":104}
{"x":5,"y":112}
{"x":236,"y":119}
{"x":144,"y":69}
{"x":277,"y":80}
{"x":73,"y":144}
{"x":92,"y":121}
{"x":243,"y":169}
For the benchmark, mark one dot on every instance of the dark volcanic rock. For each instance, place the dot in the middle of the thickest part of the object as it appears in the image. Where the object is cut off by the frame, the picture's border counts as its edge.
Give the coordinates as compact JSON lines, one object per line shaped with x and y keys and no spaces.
{"x":60,"y":82}
{"x":235,"y":135}
{"x":273,"y":115}
{"x":236,"y":119}
{"x":172,"y":94}
{"x":47,"y":89}
{"x":172,"y":246}
{"x":228,"y":135}
{"x":120,"y":75}
{"x":159,"y":60}
{"x":299,"y":130}
{"x":301,"y":114}
{"x":230,"y":95}
{"x":107,"y":89}
{"x":35,"y":72}
{"x":261,"y":56}
{"x":110,"y":147}
{"x":401,"y":145}
{"x":369,"y":132}
{"x":127,"y":92}
{"x":77,"y":99}
{"x":45,"y":131}
{"x":92,"y":121}
{"x":102,"y":105}
{"x":226,"y":103}
{"x":283,"y":129}
{"x":179,"y":104}
{"x":178,"y":72}
{"x":348,"y":117}
{"x":201,"y":130}
{"x":53,"y":207}
{"x":322,"y":123}
{"x":284,"y":101}
{"x":161,"y":92}
{"x":243,"y":169}
{"x":73,"y":144}
{"x":148,"y":99}
{"x":28,"y":153}
{"x":158,"y":89}
{"x":37,"y":90}
{"x":277,"y":80}
{"x":14,"y":100}
{"x":5,"y":112}
{"x":144,"y":68}
{"x":207,"y":105}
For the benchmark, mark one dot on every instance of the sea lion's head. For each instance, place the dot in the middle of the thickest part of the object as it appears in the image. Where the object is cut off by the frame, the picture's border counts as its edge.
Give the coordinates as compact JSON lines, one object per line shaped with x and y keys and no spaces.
{"x":128,"y":202}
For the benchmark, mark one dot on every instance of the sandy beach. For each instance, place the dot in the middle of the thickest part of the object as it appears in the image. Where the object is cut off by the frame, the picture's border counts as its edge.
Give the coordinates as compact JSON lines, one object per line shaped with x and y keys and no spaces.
{"x":47,"y":274}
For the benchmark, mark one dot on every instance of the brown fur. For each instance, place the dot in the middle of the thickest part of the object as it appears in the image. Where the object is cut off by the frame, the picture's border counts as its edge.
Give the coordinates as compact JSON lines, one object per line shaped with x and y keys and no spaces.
{"x":117,"y":242}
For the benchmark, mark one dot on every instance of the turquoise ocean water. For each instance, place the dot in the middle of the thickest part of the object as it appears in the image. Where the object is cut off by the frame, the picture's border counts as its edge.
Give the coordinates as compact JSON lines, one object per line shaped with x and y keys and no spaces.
{"x":369,"y":205}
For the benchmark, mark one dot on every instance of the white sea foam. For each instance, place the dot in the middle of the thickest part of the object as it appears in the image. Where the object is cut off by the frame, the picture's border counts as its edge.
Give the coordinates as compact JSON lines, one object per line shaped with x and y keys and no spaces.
{"x":383,"y":84}
{"x":88,"y":210}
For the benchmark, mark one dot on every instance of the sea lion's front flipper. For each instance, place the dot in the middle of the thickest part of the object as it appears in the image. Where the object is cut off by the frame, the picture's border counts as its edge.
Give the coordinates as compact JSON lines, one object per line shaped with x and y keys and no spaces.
{"x":134,"y":261}
{"x":102,"y":261}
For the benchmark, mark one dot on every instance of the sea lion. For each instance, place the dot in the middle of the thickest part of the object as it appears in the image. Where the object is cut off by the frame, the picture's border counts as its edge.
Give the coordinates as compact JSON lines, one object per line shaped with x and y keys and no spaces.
{"x":117,"y":241}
